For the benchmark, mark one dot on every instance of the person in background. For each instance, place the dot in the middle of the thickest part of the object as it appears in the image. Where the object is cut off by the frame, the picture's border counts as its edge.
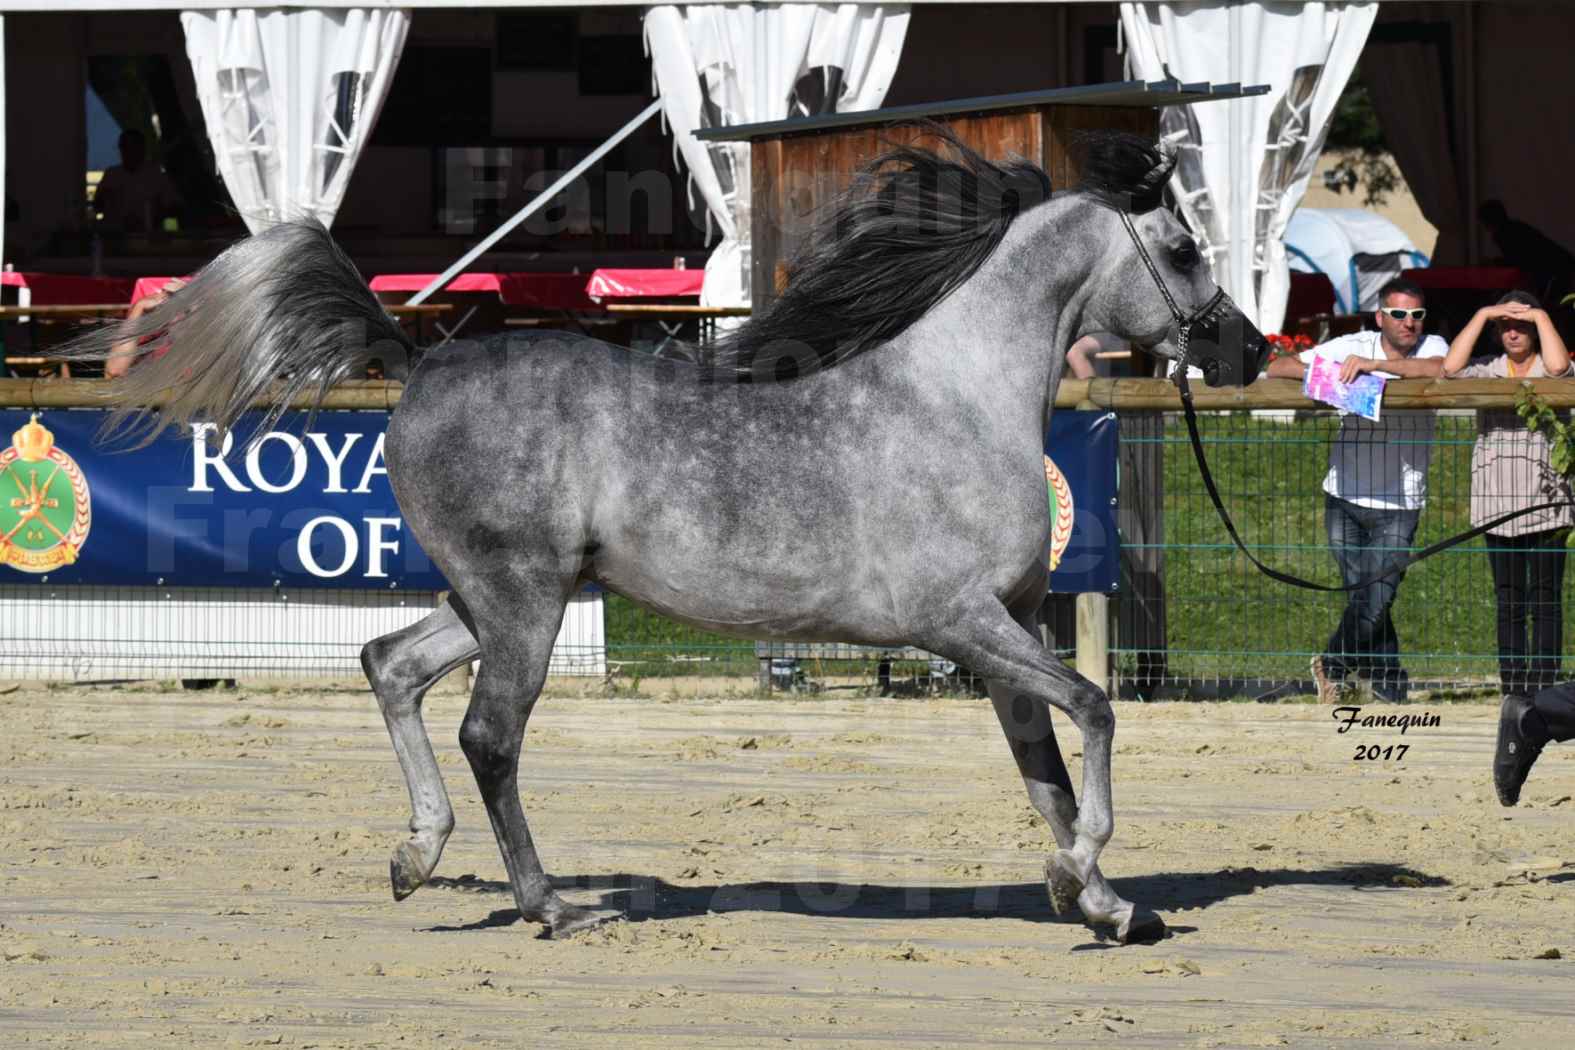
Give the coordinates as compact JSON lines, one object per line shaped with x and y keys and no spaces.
{"x":134,"y":196}
{"x":1511,"y":471}
{"x":1549,"y":265}
{"x":1374,"y":490}
{"x":1527,"y":724}
{"x":126,"y":353}
{"x":1081,"y":357}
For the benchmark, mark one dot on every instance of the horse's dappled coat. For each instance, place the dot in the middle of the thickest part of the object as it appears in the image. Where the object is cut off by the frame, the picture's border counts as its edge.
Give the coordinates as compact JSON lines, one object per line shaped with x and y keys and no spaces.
{"x":895,"y":498}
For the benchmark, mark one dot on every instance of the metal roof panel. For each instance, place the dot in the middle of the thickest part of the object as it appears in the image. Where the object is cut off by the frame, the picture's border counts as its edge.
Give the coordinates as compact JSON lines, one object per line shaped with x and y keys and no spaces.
{"x":1121,"y":93}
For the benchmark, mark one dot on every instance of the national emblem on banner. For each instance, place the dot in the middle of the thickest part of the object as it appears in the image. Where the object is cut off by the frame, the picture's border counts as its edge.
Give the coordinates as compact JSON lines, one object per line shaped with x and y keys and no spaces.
{"x":45,"y":511}
{"x":1060,"y":511}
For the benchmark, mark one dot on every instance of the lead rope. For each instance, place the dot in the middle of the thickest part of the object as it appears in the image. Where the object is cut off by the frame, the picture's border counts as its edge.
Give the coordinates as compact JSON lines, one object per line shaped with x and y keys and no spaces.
{"x":1405,"y":561}
{"x":1184,"y":325}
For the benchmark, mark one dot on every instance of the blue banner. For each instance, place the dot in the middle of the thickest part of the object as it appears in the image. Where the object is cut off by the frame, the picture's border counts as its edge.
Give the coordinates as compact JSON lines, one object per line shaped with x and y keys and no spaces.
{"x":1080,"y":474}
{"x":299,"y":510}
{"x":315,"y":509}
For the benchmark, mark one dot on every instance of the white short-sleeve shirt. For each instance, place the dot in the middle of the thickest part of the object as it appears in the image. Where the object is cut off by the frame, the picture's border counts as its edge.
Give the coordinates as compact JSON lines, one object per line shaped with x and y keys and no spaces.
{"x":1381,"y":465}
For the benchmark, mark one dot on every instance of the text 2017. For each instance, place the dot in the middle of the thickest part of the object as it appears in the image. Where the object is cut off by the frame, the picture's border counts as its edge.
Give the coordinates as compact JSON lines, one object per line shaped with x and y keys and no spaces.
{"x":1380,"y":752}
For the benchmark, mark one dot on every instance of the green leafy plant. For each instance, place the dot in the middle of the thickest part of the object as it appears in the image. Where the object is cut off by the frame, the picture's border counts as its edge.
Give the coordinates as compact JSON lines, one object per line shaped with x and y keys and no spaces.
{"x":1355,"y":133}
{"x":1540,"y":419}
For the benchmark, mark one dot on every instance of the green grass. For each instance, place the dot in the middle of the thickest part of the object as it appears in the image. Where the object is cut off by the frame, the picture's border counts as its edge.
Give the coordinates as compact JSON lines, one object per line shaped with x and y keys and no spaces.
{"x":653,"y":646}
{"x":1224,"y":618}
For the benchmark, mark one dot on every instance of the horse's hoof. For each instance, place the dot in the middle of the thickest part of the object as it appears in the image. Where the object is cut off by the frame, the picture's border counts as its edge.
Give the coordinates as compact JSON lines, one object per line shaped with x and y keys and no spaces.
{"x":571,"y":920}
{"x":405,"y":872}
{"x":1142,"y":927}
{"x":1062,"y":882}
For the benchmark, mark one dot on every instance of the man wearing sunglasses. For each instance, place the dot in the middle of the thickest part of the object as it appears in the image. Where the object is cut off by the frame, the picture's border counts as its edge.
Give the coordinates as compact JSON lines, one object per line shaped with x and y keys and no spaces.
{"x":1374,"y":490}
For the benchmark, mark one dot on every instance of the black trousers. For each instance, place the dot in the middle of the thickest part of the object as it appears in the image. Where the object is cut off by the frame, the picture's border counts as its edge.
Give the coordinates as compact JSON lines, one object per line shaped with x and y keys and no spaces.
{"x":1556,"y":705}
{"x":1528,"y":580}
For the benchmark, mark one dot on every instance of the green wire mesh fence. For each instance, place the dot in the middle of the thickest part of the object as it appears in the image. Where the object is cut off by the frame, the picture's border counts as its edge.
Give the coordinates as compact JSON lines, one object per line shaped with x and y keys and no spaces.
{"x":1225,"y":627}
{"x":1192,"y":616}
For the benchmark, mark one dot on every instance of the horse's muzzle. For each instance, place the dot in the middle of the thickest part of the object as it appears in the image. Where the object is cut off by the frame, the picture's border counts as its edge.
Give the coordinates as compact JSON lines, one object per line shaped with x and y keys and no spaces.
{"x":1228,"y":349}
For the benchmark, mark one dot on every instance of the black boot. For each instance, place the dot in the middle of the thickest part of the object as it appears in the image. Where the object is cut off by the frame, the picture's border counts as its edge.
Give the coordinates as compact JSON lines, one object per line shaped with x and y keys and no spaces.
{"x":1392,"y":687}
{"x":1521,"y":736}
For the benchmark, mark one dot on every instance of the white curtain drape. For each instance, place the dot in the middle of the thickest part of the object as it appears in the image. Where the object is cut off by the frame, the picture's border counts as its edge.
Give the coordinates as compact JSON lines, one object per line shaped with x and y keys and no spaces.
{"x":1245,"y":164}
{"x":2,"y":141}
{"x":290,"y":98}
{"x":725,"y":64}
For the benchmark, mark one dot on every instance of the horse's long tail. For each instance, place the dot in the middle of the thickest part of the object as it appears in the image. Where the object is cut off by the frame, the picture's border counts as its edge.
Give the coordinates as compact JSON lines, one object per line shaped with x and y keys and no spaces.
{"x":276,"y":316}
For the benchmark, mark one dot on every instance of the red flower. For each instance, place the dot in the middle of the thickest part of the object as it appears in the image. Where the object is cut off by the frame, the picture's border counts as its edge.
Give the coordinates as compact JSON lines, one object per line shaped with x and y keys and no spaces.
{"x":1282,"y":345}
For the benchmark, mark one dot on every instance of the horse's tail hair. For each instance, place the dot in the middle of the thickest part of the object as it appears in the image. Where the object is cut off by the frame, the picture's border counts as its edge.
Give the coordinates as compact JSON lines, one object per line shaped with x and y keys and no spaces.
{"x":277,"y":316}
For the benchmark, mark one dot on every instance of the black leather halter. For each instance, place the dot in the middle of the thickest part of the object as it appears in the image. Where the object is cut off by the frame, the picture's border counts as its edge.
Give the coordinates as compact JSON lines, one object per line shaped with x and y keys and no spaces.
{"x":1184,"y":322}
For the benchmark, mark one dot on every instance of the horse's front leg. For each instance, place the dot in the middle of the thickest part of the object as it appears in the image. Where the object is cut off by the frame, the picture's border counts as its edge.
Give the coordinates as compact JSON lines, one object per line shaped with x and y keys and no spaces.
{"x":401,"y":667}
{"x":987,"y":639}
{"x":1032,"y":738}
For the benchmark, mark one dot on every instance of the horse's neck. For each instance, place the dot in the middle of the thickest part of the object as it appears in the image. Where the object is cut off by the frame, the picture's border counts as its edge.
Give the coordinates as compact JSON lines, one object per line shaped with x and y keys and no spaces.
{"x":1001,"y":338}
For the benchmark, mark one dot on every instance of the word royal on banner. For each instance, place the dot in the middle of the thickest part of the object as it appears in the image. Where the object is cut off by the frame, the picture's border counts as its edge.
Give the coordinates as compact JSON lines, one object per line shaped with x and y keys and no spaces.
{"x":205,"y":460}
{"x":210,"y":464}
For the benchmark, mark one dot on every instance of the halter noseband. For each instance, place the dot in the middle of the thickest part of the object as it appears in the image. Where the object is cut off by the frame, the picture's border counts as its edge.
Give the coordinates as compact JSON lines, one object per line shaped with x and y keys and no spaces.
{"x":1184,"y":322}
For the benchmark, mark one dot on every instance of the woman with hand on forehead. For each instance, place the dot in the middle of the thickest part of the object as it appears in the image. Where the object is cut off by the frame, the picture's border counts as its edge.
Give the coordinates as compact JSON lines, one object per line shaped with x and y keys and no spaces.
{"x":1510,"y":470}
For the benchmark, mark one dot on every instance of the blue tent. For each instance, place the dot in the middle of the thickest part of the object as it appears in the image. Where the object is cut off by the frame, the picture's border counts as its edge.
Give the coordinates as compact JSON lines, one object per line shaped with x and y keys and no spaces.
{"x":1357,"y":250}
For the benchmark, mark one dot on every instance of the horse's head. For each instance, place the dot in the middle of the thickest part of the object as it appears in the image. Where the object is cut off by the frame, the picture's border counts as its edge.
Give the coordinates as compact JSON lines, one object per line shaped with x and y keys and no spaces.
{"x":1151,"y":284}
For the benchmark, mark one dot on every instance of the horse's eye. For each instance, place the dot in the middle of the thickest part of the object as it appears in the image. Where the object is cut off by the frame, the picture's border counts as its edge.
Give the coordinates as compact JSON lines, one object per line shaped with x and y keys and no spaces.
{"x":1184,"y":256}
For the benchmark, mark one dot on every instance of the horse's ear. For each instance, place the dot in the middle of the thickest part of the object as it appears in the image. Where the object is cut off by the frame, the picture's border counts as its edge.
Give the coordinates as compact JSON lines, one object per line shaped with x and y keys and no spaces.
{"x":1150,"y":189}
{"x":1168,"y":155}
{"x":1124,"y":170}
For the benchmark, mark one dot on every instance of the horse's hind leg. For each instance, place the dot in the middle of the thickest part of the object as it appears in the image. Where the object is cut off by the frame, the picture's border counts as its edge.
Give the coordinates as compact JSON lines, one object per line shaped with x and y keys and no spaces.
{"x":513,"y":670}
{"x":401,"y":667}
{"x":1032,"y":739}
{"x":987,"y":639}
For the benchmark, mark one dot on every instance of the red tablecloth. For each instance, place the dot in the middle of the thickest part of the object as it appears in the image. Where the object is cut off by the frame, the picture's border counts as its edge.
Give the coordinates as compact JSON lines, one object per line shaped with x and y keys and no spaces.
{"x":61,"y":289}
{"x":539,"y":291}
{"x":644,"y":284}
{"x":147,"y":286}
{"x":1311,"y":293}
{"x":1486,"y":278}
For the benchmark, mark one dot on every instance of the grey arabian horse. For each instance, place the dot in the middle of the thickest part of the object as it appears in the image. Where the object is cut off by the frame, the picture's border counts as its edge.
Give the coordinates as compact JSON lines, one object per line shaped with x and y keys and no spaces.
{"x":894,"y":398}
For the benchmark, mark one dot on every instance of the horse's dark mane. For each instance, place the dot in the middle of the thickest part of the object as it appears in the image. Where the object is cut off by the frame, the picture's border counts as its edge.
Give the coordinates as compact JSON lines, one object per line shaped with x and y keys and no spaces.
{"x":1123,"y":170}
{"x":913,"y":226}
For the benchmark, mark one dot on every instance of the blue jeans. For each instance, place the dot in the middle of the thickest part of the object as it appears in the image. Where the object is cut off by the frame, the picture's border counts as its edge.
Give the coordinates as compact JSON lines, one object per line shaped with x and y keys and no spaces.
{"x":1366,"y":540}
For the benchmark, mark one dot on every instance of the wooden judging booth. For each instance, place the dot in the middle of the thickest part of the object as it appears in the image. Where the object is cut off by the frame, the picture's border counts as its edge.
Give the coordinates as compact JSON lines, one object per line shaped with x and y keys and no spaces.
{"x":798,"y":166}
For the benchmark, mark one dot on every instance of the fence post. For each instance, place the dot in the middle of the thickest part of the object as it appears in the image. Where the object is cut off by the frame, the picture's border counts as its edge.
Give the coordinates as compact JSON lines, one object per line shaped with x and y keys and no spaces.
{"x":1093,"y":638}
{"x":1141,"y":624}
{"x":464,"y":669}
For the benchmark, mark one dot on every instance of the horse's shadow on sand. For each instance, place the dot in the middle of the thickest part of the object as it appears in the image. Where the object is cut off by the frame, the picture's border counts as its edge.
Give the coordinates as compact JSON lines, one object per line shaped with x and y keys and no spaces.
{"x":644,"y":897}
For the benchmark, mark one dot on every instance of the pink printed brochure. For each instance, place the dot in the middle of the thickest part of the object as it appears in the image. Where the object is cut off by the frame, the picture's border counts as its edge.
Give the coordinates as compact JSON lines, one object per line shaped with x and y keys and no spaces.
{"x":1363,"y":397}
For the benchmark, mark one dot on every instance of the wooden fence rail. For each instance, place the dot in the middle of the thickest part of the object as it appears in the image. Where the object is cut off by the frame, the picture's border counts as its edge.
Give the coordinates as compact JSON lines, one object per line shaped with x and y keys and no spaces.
{"x":93,"y":393}
{"x":1150,"y":395}
{"x":1159,"y":395}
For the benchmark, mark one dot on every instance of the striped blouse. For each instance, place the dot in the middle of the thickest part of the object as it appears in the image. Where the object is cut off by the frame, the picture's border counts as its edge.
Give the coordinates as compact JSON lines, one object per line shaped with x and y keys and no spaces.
{"x":1509,"y":464}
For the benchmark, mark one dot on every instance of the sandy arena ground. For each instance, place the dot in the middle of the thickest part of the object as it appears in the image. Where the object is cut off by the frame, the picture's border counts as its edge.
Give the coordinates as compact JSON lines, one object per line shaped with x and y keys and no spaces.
{"x":209,"y":869}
